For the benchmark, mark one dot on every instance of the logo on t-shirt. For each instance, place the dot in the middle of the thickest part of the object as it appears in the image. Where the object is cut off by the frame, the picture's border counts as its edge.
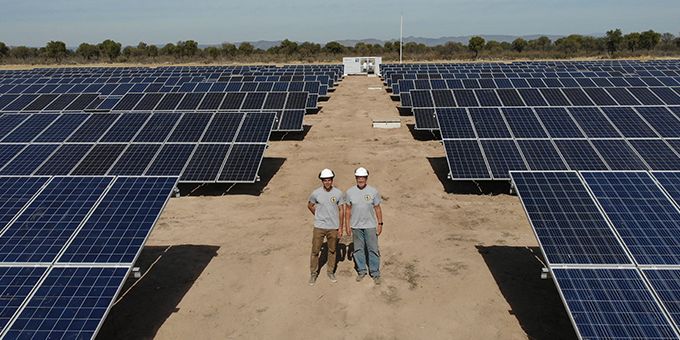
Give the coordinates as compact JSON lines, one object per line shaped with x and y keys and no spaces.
{"x":333,"y":199}
{"x":368,"y":198}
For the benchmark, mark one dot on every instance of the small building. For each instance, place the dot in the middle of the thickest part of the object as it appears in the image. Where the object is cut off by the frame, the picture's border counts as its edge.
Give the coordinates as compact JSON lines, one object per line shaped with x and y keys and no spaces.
{"x":362,"y":65}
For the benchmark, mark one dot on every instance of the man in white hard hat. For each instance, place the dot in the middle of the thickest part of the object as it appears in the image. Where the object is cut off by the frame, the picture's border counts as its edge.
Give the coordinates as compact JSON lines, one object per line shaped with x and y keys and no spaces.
{"x":363,"y":219}
{"x":326,"y":205}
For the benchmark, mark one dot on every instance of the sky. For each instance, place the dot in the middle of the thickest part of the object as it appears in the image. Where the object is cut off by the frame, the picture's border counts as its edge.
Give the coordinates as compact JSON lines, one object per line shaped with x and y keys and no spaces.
{"x":33,"y":23}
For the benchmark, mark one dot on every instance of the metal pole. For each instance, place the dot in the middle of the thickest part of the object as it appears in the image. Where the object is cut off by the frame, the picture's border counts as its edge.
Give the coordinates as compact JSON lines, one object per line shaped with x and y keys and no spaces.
{"x":401,"y":39}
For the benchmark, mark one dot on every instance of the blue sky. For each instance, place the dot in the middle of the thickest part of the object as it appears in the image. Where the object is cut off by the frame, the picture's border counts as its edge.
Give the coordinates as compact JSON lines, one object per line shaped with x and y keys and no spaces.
{"x":33,"y":23}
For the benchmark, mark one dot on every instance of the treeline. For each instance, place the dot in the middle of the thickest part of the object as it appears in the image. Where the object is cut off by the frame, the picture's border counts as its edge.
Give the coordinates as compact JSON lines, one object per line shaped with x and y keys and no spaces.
{"x":614,"y":44}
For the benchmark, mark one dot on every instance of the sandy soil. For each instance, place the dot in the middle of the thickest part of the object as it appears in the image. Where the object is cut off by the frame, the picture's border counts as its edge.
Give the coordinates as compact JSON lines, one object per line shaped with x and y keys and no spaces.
{"x":457,"y":264}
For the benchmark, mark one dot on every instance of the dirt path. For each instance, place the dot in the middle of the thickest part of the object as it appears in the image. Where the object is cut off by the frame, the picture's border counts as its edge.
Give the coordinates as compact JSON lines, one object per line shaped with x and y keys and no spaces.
{"x":454,"y":266}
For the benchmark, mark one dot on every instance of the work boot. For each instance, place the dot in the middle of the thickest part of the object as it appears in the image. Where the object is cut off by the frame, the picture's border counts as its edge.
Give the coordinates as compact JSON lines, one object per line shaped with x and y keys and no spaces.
{"x":331,"y":276}
{"x":312,"y":278}
{"x":360,"y":277}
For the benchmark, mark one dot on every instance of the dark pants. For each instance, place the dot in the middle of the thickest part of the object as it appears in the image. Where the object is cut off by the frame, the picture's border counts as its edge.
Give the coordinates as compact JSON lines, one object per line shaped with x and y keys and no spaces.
{"x":318,"y":235}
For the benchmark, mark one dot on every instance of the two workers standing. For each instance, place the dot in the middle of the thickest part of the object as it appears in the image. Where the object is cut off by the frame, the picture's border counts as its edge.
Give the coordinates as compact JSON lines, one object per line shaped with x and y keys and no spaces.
{"x":357,"y":213}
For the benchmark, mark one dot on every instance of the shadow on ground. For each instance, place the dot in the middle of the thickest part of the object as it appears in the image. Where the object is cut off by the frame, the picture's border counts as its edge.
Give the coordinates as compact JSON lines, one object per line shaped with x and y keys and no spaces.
{"x":293,"y":136}
{"x":423,"y":135}
{"x":270,"y":166}
{"x":441,"y":169}
{"x":535,"y":302}
{"x":141,"y":312}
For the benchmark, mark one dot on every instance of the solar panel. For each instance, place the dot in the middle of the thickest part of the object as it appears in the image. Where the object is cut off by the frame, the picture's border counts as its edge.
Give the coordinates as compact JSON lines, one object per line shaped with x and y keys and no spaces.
{"x":30,"y":128}
{"x":618,"y":155}
{"x":93,"y":128}
{"x":41,"y":102}
{"x":599,"y":96}
{"x":190,"y":101}
{"x":44,"y":227}
{"x":645,"y":96}
{"x":158,"y":127}
{"x":465,"y":159}
{"x":99,"y":160}
{"x":128,"y":102}
{"x":15,"y":192}
{"x":657,"y":154}
{"x":622,"y":96}
{"x":487,"y":98}
{"x":489,"y":123}
{"x":71,"y":304}
{"x":665,"y":283}
{"x":523,"y":123}
{"x":118,"y":227}
{"x":670,"y":182}
{"x":579,"y":155}
{"x":61,"y":128}
{"x":256,"y":127}
{"x":191,"y":127}
{"x":612,"y":304}
{"x":577,"y":97}
{"x":510,"y":97}
{"x":643,"y":216}
{"x":135,"y":160}
{"x":170,"y":101}
{"x":426,"y":119}
{"x":223,"y":127}
{"x":205,"y":163}
{"x":454,"y":123}
{"x":593,"y":122}
{"x":28,"y":159}
{"x":64,"y":159}
{"x":663,"y":121}
{"x":9,"y":151}
{"x":82,"y":102}
{"x":16,"y":285}
{"x":566,"y":220}
{"x":9,"y":122}
{"x":275,"y":101}
{"x":558,"y":123}
{"x":170,"y":160}
{"x":555,"y":97}
{"x":541,"y":154}
{"x":502,"y":157}
{"x":242,"y":163}
{"x":465,"y":98}
{"x":295,"y":101}
{"x":443,"y":98}
{"x":126,"y":127}
{"x":629,"y":122}
{"x":233,"y":101}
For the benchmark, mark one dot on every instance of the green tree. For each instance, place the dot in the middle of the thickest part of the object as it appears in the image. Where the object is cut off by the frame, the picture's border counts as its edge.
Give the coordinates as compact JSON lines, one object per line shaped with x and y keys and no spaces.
{"x":287,"y":47}
{"x":87,"y":51}
{"x":614,"y":40}
{"x":649,"y":39}
{"x":110,"y":49}
{"x":246,"y":48}
{"x":334,"y":47}
{"x":168,"y":50}
{"x":188,"y":48}
{"x":543,"y":42}
{"x":308,"y":49}
{"x":493,"y":46}
{"x":152,"y":51}
{"x":475,"y":44}
{"x":667,"y":41}
{"x":56,"y":50}
{"x":632,"y":41}
{"x":569,"y":44}
{"x":519,"y":45}
{"x":23,"y":52}
{"x":213,"y":52}
{"x":4,"y":50}
{"x":229,"y":50}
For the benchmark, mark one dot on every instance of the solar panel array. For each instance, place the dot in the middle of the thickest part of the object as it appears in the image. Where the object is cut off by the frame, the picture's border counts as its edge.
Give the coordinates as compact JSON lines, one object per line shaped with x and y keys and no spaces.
{"x":199,"y":147}
{"x":612,"y":243}
{"x":67,"y":245}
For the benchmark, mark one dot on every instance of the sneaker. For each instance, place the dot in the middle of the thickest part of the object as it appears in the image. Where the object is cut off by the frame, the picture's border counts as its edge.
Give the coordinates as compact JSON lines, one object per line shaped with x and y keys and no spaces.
{"x":360,"y":277}
{"x":377,"y":280}
{"x":331,"y":276}
{"x":312,"y":279}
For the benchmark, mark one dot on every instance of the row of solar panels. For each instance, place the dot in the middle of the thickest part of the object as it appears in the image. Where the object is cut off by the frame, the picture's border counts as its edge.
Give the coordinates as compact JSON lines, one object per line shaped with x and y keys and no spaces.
{"x":509,"y":83}
{"x":197,"y":147}
{"x":168,"y":81}
{"x":590,"y":96}
{"x":484,"y":144}
{"x":84,"y":235}
{"x":611,"y":242}
{"x":289,"y":106}
{"x":119,"y":89}
{"x":392,"y":79}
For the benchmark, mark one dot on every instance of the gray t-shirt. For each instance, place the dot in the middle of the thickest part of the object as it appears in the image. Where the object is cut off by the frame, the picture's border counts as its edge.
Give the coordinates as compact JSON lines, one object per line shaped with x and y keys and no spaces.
{"x":327,"y":203}
{"x":362,"y":202}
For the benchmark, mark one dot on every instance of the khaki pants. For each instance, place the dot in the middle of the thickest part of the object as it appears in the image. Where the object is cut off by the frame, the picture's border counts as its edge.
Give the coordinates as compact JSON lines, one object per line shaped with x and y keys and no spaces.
{"x":331,"y":236}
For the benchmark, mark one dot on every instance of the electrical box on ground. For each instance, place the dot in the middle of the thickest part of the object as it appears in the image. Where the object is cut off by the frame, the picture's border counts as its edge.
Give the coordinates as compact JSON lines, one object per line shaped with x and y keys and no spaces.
{"x":362,"y":65}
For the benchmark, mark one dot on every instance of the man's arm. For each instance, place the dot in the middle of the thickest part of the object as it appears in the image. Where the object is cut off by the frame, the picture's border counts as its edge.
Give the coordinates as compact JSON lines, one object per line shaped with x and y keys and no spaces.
{"x":341,"y":213}
{"x":312,"y":207}
{"x":378,"y":215}
{"x":348,"y":214}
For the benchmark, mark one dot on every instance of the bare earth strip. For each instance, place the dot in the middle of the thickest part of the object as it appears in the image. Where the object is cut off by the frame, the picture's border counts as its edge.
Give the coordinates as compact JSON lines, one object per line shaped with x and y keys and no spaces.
{"x":455,"y":266}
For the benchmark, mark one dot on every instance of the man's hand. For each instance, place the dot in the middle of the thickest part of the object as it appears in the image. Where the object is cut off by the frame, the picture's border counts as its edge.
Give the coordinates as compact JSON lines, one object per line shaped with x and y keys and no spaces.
{"x":349,"y":231}
{"x":379,"y":231}
{"x":339,"y":232}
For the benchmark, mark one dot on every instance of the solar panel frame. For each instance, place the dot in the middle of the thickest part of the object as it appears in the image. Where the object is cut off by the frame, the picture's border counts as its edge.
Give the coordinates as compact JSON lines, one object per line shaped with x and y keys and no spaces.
{"x":469,"y":165}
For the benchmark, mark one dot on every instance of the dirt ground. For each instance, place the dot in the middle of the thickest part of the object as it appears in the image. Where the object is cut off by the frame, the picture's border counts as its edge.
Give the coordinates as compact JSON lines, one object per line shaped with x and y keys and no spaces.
{"x":457,"y":262}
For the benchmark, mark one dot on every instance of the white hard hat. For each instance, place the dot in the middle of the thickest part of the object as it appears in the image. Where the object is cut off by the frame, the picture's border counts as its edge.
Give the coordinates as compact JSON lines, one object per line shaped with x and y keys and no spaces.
{"x":361,"y":172}
{"x":326,"y":173}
